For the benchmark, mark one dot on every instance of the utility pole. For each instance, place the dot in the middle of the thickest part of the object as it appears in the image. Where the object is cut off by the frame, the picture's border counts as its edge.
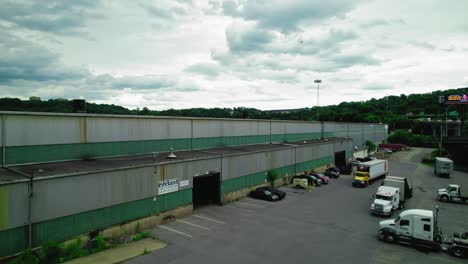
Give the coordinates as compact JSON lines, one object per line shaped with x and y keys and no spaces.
{"x":318,"y":82}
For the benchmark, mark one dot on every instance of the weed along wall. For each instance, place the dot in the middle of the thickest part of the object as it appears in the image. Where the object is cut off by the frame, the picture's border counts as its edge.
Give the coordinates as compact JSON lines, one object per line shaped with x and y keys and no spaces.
{"x":55,"y":183}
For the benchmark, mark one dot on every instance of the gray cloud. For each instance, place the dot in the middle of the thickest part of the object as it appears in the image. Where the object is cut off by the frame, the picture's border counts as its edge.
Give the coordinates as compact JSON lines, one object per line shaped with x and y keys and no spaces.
{"x":58,"y":17}
{"x":245,"y":39}
{"x":377,"y":87}
{"x":24,"y":60}
{"x":204,"y":68}
{"x":146,"y":82}
{"x":422,"y":44}
{"x":287,"y":15}
{"x":381,"y":22}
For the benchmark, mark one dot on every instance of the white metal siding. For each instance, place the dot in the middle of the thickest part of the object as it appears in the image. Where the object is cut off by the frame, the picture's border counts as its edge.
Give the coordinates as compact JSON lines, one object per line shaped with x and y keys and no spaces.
{"x":42,"y":130}
{"x":71,"y":195}
{"x":130,"y":129}
{"x":210,"y":128}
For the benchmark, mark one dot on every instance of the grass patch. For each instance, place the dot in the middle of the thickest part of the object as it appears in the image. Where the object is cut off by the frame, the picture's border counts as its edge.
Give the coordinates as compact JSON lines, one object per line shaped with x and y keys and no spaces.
{"x":53,"y":252}
{"x":140,"y":236}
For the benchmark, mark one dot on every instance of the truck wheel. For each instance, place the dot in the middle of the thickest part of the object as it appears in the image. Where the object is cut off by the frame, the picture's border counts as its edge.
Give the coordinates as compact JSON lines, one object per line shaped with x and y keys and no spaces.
{"x":444,"y":198}
{"x":390,"y":238}
{"x":458,"y":252}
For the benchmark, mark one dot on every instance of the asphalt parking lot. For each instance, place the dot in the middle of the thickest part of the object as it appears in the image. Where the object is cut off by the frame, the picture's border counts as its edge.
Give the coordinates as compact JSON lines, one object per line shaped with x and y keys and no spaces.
{"x":331,"y":224}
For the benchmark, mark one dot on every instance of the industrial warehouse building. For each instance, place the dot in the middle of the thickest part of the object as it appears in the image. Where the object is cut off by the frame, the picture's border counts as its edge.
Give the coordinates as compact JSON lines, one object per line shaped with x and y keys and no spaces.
{"x":65,"y":175}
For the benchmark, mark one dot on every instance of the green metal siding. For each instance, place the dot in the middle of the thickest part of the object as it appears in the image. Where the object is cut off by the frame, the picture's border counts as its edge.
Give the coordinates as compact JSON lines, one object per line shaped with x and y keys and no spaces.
{"x":58,"y":152}
{"x":13,"y":240}
{"x":213,"y":142}
{"x":254,"y":179}
{"x":60,"y":229}
{"x":242,"y":182}
{"x":295,"y":137}
{"x":308,"y":165}
{"x":349,"y":154}
{"x":46,"y":153}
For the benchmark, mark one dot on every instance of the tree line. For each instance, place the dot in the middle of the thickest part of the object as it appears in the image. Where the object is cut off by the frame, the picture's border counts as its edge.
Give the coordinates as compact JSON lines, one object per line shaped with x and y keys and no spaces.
{"x":391,"y":109}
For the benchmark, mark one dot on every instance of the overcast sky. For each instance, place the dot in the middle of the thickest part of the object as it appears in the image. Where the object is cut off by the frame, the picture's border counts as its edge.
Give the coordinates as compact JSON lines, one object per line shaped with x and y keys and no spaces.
{"x":263,"y":53}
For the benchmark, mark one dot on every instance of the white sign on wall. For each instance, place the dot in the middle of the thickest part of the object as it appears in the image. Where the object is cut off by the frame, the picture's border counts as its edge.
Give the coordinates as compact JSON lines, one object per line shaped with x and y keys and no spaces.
{"x":168,"y":186}
{"x":184,"y":183}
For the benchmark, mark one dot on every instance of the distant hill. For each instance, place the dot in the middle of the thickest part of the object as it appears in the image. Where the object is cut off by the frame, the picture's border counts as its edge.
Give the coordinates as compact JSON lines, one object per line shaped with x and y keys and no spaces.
{"x":374,"y":110}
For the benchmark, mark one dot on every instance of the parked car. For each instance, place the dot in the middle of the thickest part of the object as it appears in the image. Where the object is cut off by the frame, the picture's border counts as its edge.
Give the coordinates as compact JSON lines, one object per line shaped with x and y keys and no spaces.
{"x":322,"y":177}
{"x":335,"y":169}
{"x":274,"y":190}
{"x":264,"y":193}
{"x":311,"y":179}
{"x":331,"y":174}
{"x":386,"y":151}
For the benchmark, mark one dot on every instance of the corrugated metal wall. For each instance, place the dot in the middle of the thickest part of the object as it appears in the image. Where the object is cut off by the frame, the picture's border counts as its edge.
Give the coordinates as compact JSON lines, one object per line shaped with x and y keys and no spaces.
{"x":69,"y":195}
{"x":35,"y":137}
{"x":13,"y":205}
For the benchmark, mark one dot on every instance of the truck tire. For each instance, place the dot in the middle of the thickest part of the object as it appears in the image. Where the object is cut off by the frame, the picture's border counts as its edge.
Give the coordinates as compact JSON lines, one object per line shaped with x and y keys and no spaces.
{"x":458,"y":251}
{"x":390,"y":238}
{"x":444,"y":198}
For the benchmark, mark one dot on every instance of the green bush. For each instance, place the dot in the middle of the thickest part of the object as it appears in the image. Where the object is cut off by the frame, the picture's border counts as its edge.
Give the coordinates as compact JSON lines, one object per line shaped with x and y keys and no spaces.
{"x":140,"y":235}
{"x":50,"y":252}
{"x":410,"y":139}
{"x":272,"y":176}
{"x":73,"y":250}
{"x":371,"y":145}
{"x":28,"y":257}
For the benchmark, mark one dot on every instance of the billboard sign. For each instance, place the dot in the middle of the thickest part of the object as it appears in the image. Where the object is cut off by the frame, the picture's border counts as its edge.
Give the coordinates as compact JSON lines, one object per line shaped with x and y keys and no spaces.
{"x":456,"y":99}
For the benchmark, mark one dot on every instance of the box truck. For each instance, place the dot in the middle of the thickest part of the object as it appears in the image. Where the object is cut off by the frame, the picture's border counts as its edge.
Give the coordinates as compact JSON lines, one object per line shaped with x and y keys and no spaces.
{"x":369,"y":171}
{"x":443,"y":167}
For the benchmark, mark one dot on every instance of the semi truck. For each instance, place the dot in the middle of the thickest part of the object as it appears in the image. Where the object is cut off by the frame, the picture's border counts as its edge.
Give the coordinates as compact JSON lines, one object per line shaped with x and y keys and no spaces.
{"x":443,"y":167}
{"x":369,"y":171}
{"x":386,"y":201}
{"x":420,"y":228}
{"x":452,"y":193}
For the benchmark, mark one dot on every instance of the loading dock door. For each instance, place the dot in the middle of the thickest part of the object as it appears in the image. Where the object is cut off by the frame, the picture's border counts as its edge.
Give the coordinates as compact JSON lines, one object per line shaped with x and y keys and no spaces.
{"x":206,"y":189}
{"x":340,"y":158}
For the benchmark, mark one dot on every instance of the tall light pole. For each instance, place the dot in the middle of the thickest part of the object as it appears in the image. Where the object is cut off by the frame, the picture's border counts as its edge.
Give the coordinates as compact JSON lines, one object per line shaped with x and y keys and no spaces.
{"x":318,"y":82}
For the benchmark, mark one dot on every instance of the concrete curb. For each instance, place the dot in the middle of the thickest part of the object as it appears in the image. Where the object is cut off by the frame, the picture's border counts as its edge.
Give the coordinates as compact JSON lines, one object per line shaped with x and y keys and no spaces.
{"x":121,"y":252}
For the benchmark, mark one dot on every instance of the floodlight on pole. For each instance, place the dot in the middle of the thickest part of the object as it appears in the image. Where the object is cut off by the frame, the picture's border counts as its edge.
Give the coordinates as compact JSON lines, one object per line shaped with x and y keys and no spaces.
{"x":318,"y":82}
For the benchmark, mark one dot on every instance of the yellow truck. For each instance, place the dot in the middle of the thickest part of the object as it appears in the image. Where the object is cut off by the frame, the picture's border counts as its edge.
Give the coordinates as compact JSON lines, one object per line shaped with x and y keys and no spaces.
{"x":369,"y":171}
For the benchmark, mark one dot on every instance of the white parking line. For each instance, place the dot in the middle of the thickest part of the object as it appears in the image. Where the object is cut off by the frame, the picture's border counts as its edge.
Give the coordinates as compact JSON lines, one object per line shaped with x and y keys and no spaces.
{"x":188,"y":223}
{"x":209,"y":219}
{"x":175,"y":231}
{"x":233,"y":207}
{"x":254,"y":205}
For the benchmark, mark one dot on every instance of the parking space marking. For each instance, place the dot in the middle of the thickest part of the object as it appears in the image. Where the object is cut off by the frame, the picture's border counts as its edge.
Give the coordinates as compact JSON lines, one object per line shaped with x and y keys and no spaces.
{"x":254,"y":205}
{"x":209,"y":219}
{"x":188,"y":223}
{"x":233,"y":207}
{"x":175,"y":231}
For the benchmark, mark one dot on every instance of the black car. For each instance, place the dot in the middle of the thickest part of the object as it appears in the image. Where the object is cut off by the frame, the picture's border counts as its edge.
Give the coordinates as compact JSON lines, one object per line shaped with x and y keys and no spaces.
{"x":264,"y":193}
{"x":311,"y":180}
{"x":331,"y":174}
{"x":334,"y":169}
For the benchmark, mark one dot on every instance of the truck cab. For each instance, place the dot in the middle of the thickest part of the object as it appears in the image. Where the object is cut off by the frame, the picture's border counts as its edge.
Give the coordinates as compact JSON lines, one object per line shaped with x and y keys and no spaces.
{"x":415,"y":226}
{"x":451,"y":193}
{"x":386,"y":201}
